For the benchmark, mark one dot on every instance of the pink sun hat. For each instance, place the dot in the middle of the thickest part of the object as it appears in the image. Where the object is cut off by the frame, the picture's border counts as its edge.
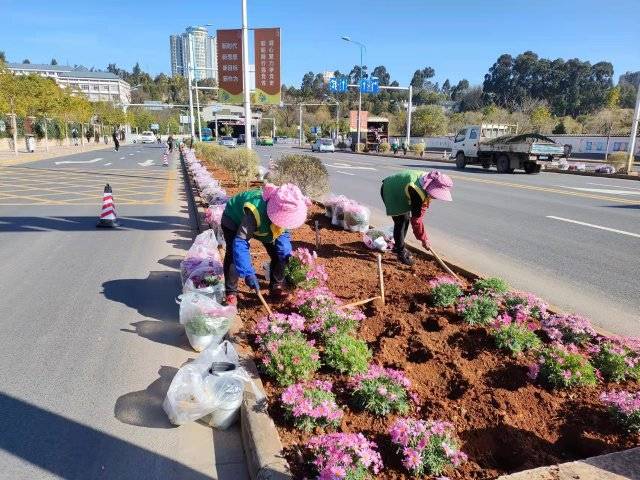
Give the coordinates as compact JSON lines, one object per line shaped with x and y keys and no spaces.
{"x":286,"y":205}
{"x":437,"y":185}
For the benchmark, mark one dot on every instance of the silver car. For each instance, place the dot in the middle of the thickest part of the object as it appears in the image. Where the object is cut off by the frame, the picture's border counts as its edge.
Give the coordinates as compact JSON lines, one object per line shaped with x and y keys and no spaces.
{"x":323,"y":145}
{"x":228,"y":142}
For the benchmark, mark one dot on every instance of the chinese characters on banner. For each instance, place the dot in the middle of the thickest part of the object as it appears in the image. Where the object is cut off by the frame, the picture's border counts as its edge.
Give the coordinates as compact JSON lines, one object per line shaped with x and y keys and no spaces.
{"x":229,"y":47}
{"x":353,"y":120}
{"x":267,"y":52}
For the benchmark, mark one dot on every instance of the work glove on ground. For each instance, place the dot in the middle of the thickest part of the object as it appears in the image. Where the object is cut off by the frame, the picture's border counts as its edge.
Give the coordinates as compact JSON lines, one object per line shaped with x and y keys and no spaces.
{"x":252,"y":282}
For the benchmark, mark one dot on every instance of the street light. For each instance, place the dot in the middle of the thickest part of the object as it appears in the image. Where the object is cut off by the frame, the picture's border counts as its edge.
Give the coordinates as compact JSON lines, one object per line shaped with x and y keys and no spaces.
{"x":362,"y":48}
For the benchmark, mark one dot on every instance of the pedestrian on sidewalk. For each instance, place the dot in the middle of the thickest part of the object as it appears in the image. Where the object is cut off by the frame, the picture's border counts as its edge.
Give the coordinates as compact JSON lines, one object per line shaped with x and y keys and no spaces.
{"x":406,"y":197}
{"x":264,"y":214}
{"x":170,"y":143}
{"x":116,"y":141}
{"x":88,"y":135}
{"x":74,"y":136}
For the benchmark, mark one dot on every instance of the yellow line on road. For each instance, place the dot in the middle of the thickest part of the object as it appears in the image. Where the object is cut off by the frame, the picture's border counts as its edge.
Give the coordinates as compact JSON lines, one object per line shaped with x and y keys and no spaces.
{"x":169,"y":188}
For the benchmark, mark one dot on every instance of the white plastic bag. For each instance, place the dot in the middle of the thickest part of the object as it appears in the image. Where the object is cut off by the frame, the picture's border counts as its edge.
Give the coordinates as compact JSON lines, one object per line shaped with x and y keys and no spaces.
{"x":213,"y":383}
{"x":197,"y":281}
{"x":356,"y":217}
{"x":379,"y":238}
{"x":206,"y":321}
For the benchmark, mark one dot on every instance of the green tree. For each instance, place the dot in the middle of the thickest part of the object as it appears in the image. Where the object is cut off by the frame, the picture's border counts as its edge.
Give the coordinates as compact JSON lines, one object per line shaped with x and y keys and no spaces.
{"x":380,"y":72}
{"x":540,"y":118}
{"x":26,"y":61}
{"x":612,"y":99}
{"x":3,"y":57}
{"x":54,"y":61}
{"x":429,"y":120}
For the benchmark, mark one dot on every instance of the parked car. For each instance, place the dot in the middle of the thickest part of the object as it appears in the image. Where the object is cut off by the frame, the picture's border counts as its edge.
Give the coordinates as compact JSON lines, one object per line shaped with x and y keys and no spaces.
{"x":265,"y":141}
{"x":228,"y":142}
{"x":147,"y":137}
{"x":323,"y":145}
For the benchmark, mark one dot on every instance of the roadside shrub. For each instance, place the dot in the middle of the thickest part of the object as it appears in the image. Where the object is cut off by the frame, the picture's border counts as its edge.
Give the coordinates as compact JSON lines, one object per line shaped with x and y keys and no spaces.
{"x":290,"y":359}
{"x":242,"y":164}
{"x":347,"y":354}
{"x":445,"y":291}
{"x":305,"y":171}
{"x":624,"y":407}
{"x":427,"y":447}
{"x":381,"y":391}
{"x":360,"y":147}
{"x":491,"y":285}
{"x":417,"y":148}
{"x":619,"y":161}
{"x":302,"y":271}
{"x":569,"y":329}
{"x":271,"y":328}
{"x":477,"y":309}
{"x":311,"y":404}
{"x":616,"y":360}
{"x":522,"y":305}
{"x":514,"y":337}
{"x":342,"y":145}
{"x":210,"y":153}
{"x":563,"y":367}
{"x":348,"y":456}
{"x":384,"y":147}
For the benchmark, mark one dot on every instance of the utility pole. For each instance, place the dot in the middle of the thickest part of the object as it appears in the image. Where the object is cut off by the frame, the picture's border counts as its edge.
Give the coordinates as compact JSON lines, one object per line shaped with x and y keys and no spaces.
{"x":198,"y":111}
{"x":245,"y":76}
{"x":409,"y":109}
{"x":634,"y":134}
{"x":189,"y":66}
{"x":300,"y":133}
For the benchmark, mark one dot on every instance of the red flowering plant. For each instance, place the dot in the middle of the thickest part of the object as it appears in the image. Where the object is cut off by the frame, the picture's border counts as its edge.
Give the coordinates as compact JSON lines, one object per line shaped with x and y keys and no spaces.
{"x":427,"y":447}
{"x":311,"y":404}
{"x":381,"y":391}
{"x":348,"y":456}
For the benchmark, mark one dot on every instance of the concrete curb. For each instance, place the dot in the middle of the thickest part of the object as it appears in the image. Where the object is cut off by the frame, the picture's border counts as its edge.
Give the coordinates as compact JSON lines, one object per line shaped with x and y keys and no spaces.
{"x":260,"y":438}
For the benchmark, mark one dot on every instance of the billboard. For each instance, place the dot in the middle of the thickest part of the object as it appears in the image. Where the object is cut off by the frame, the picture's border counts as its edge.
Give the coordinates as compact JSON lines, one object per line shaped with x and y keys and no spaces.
{"x":267,"y":61}
{"x":229,"y":53}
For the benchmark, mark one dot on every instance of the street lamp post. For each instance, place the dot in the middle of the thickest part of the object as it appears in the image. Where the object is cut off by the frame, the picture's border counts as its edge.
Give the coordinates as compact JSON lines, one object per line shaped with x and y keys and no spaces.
{"x":189,"y":67}
{"x":634,"y":134}
{"x":245,"y":76}
{"x":362,"y":48}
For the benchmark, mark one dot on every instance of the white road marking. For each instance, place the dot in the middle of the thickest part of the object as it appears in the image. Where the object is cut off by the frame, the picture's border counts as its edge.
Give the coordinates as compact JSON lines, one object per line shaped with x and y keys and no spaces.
{"x":345,"y":173}
{"x":146,"y":163}
{"x":349,"y":166}
{"x":614,"y":186}
{"x":601,"y":190}
{"x":107,"y":164}
{"x":122,"y":158}
{"x":78,"y":161}
{"x":600,"y":227}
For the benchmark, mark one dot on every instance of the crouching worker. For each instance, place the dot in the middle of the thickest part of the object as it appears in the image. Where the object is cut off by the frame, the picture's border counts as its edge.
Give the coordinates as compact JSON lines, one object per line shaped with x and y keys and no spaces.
{"x":264,"y":214}
{"x":406,"y":196}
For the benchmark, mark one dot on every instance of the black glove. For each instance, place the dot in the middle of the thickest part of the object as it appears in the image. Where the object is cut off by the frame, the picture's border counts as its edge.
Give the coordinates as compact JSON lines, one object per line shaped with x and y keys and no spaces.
{"x":252,"y":282}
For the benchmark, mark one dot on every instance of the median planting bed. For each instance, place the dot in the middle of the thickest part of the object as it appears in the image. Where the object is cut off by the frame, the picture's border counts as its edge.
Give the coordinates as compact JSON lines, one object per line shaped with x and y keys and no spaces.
{"x":462,"y":380}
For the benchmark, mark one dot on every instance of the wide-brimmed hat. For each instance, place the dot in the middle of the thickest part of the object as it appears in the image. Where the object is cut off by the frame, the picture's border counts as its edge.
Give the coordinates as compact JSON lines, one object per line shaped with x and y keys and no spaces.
{"x":286,"y":205}
{"x":437,"y":185}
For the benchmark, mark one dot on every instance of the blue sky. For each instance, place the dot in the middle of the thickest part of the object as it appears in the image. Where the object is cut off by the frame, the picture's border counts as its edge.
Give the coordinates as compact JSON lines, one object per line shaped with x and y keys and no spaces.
{"x":459,"y":39}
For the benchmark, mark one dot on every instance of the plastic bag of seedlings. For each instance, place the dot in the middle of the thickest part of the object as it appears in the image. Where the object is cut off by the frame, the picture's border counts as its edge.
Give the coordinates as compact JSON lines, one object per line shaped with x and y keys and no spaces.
{"x":356,"y":217}
{"x":213,"y":384}
{"x":337,"y":212}
{"x":379,"y":239}
{"x":262,"y":173}
{"x":205,"y":320}
{"x":207,"y":279}
{"x":329,"y":203}
{"x":190,"y":264}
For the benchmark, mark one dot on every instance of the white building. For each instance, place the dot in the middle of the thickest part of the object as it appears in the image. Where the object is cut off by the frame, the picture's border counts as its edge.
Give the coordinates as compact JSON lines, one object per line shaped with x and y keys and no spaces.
{"x":96,"y":86}
{"x":204,"y":56}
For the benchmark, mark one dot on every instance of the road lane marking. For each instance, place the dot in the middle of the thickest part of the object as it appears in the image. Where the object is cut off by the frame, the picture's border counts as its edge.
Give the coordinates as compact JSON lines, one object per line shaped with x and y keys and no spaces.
{"x":600,"y":227}
{"x":122,"y":158}
{"x":131,"y":154}
{"x":146,"y":163}
{"x":614,"y":186}
{"x":345,"y":173}
{"x":349,"y":166}
{"x":63,"y":162}
{"x":601,"y":190}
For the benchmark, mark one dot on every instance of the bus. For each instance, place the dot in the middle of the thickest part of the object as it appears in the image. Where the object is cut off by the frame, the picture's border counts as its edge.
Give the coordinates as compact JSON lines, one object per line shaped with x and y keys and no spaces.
{"x":207,"y":135}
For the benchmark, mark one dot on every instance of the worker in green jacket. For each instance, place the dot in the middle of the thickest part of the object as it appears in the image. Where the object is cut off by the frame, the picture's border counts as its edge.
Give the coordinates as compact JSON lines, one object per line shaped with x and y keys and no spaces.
{"x":406,"y":196}
{"x":264,"y":214}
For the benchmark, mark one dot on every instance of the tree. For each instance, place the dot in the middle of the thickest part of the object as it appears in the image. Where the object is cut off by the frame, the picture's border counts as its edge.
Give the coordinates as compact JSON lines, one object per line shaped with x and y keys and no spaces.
{"x":612,"y":99}
{"x":381,"y":73}
{"x":356,"y":73}
{"x":446,"y":88}
{"x":3,"y":57}
{"x":472,"y":99}
{"x":54,"y":61}
{"x":429,"y":120}
{"x":459,"y":90}
{"x":420,"y":77}
{"x":541,"y":119}
{"x":26,"y":61}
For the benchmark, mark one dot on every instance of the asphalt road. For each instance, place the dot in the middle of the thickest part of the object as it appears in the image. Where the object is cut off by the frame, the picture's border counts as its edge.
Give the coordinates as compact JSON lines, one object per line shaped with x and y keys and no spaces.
{"x":573,"y":240}
{"x":90,"y":339}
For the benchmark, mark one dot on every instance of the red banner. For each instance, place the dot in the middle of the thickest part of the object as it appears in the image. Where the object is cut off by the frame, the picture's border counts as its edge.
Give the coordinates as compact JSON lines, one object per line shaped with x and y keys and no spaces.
{"x":229,"y":53}
{"x":267,"y":61}
{"x":353,"y":120}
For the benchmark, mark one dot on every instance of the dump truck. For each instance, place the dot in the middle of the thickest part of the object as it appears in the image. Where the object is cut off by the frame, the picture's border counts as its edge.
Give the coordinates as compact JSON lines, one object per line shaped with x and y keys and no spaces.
{"x":501,"y":146}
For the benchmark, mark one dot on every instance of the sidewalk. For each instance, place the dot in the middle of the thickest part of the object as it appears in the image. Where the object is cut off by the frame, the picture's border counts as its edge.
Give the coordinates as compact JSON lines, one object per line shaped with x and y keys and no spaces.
{"x":9,"y":158}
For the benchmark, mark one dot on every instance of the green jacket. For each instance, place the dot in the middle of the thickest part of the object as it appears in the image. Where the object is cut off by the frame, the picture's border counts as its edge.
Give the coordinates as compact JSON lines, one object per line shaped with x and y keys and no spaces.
{"x":253,"y":201}
{"x":395,"y":191}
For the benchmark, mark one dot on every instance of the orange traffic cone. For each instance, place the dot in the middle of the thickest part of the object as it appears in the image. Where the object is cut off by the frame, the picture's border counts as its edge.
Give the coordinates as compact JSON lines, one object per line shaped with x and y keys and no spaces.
{"x":108,"y":217}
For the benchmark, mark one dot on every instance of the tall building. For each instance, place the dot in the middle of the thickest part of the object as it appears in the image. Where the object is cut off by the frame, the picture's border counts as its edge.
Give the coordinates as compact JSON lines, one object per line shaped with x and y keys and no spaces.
{"x":196,"y":43}
{"x":96,"y":86}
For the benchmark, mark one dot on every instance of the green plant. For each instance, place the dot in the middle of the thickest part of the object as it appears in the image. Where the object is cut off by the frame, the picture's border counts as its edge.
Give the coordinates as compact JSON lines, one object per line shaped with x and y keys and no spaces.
{"x":305,"y":171}
{"x":242,"y":164}
{"x":516,"y":338}
{"x":342,"y":145}
{"x":619,"y":161}
{"x":347,"y":354}
{"x":384,"y":147}
{"x":491,"y":285}
{"x":311,"y":404}
{"x":563,"y":367}
{"x":616,"y":361}
{"x":201,"y":326}
{"x":295,"y":272}
{"x":381,"y":391}
{"x":417,"y":148}
{"x":211,"y":280}
{"x":445,"y":294}
{"x":290,"y":359}
{"x":477,"y":309}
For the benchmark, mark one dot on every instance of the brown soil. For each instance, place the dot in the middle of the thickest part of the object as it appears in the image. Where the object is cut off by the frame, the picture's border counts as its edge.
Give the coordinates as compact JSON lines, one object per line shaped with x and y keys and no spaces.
{"x":504,"y":422}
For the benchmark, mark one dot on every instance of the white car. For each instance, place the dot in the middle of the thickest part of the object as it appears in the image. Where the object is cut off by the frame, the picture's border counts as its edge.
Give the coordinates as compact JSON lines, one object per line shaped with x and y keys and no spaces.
{"x":147,"y":137}
{"x":323,"y":145}
{"x":228,"y":142}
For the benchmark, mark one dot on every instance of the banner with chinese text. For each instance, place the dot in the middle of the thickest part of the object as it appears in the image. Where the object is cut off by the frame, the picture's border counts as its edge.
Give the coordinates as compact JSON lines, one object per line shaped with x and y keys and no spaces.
{"x":229,"y":54}
{"x":267,"y":61}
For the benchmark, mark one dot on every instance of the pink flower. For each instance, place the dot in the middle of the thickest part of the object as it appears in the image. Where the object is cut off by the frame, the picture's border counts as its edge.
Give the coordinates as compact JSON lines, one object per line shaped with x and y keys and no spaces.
{"x":534,"y":370}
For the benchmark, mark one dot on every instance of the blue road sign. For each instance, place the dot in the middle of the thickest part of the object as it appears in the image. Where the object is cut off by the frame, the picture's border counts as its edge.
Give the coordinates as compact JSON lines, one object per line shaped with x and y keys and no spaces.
{"x":364,"y":85}
{"x":375,"y":85}
{"x":333,"y":85}
{"x":343,"y":84}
